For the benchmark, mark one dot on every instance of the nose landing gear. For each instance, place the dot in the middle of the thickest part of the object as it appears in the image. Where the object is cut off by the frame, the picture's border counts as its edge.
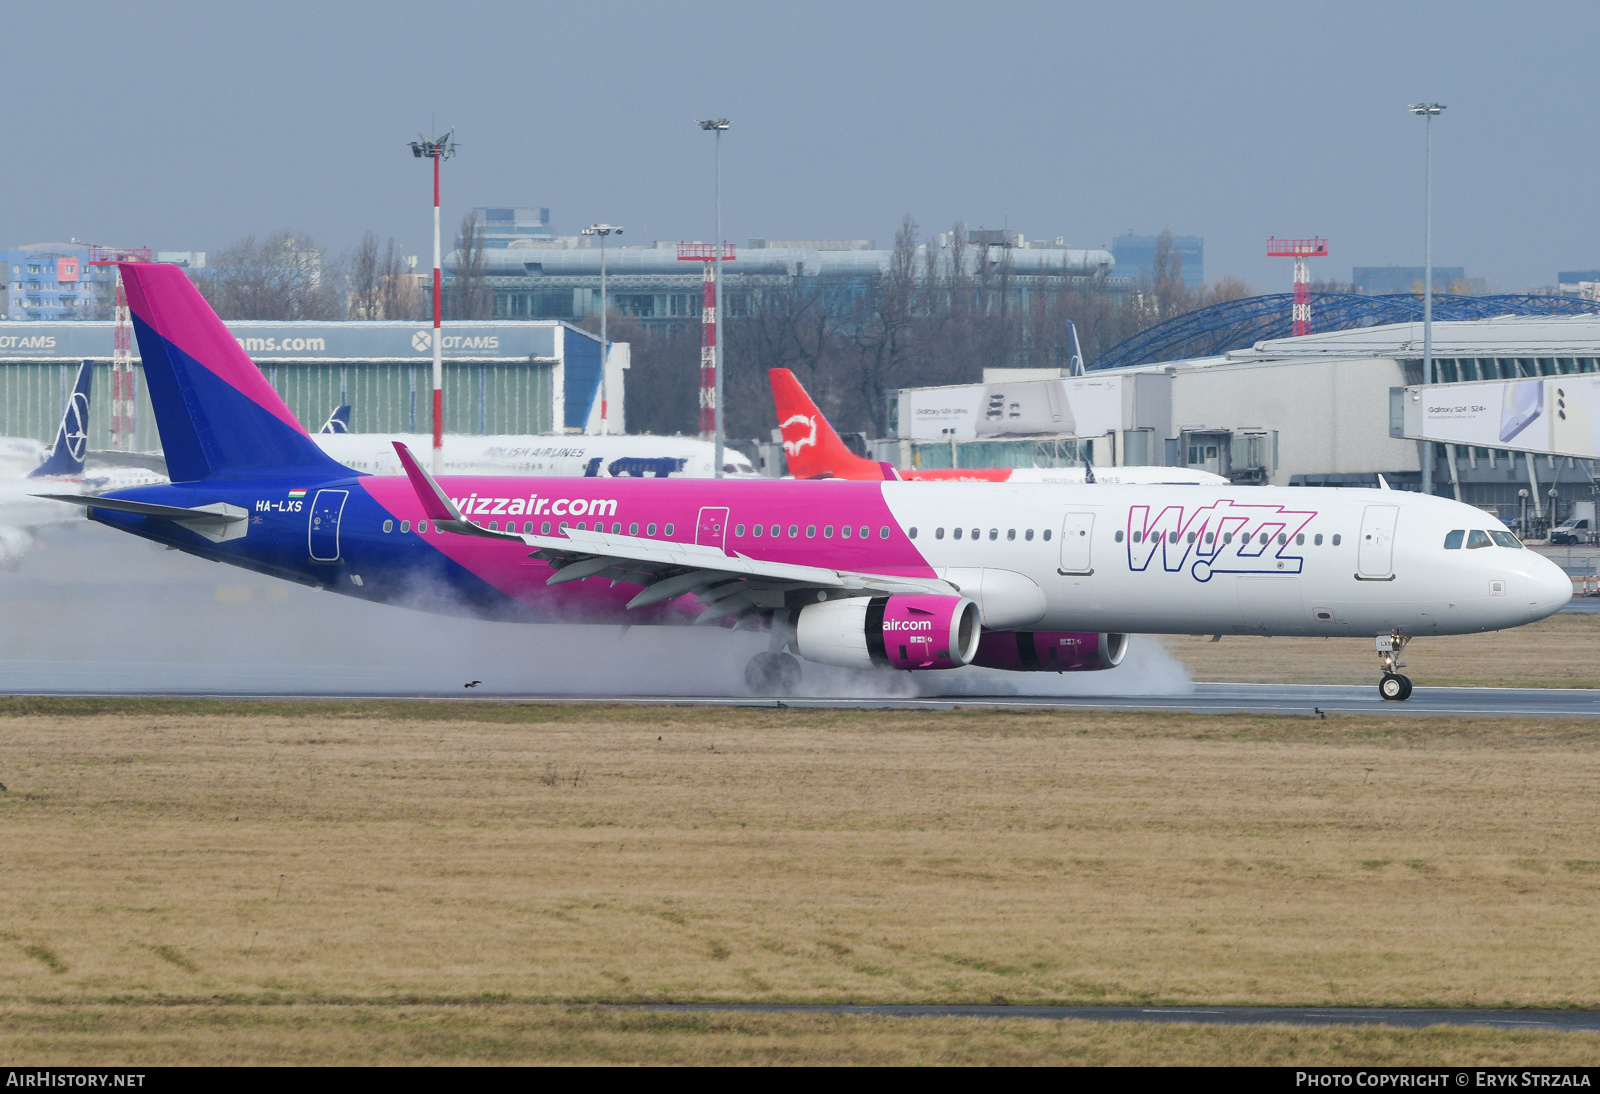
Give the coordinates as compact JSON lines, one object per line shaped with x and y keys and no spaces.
{"x":1393,"y":686}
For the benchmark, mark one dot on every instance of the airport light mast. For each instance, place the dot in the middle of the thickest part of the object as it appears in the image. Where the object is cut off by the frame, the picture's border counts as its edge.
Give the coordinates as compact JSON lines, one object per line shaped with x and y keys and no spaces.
{"x":603,"y":230}
{"x":717,"y":126}
{"x":1428,"y":112}
{"x":437,"y":149}
{"x":124,"y":393}
{"x":1299,"y":250}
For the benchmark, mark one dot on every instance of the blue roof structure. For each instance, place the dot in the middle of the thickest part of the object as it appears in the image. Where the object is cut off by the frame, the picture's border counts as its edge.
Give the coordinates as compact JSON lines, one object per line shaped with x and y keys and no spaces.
{"x":1239,"y":324}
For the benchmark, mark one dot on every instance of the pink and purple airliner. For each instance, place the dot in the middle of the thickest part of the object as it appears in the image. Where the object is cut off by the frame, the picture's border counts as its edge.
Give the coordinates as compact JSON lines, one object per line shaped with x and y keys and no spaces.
{"x":896,"y":575}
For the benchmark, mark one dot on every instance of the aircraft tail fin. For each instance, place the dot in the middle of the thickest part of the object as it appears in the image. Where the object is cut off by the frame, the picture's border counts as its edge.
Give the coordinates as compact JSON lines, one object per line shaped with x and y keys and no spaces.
{"x":810,"y":446}
{"x":72,"y":438}
{"x":217,"y":414}
{"x":338,"y":421}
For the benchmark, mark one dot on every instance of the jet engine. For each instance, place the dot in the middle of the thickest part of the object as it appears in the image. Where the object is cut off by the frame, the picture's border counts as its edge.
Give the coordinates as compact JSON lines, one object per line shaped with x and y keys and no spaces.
{"x":1050,"y":651}
{"x":911,"y":631}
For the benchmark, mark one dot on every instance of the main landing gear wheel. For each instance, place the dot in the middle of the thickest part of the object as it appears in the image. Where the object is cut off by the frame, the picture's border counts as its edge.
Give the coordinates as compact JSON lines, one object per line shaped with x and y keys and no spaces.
{"x":1395,"y":687}
{"x":772,"y":674}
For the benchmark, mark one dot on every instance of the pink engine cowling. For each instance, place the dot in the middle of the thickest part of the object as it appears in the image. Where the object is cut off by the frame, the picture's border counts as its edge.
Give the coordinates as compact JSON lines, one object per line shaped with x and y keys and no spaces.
{"x":912,"y":631}
{"x":1050,"y":651}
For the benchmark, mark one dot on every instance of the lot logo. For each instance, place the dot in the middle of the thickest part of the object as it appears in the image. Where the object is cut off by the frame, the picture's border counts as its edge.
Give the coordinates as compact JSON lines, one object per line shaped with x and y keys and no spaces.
{"x":75,"y":428}
{"x":422,"y":341}
{"x":1221,"y":538}
{"x":797,"y":438}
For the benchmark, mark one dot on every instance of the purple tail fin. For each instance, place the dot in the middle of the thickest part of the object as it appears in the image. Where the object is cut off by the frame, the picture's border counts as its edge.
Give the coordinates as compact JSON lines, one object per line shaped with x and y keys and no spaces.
{"x":216,"y":412}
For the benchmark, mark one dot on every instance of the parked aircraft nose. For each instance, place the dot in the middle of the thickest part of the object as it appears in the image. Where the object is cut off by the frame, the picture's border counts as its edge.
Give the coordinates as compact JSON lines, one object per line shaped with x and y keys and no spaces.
{"x":1549,"y":588}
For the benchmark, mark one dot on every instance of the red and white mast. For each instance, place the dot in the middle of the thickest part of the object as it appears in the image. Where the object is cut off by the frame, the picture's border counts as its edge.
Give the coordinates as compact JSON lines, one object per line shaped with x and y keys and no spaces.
{"x":439,"y":148}
{"x":1299,"y":250}
{"x":124,"y":390}
{"x":707,"y":253}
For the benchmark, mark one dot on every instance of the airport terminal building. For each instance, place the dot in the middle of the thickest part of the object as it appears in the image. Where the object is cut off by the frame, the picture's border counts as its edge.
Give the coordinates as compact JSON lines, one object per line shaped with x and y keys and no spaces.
{"x":1321,"y":409}
{"x":499,"y":377}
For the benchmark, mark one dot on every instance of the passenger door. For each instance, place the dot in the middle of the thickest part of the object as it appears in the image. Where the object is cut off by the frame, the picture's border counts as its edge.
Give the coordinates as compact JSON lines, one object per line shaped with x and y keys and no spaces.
{"x":326,"y":510}
{"x":1375,"y":553}
{"x":713,"y":528}
{"x":1077,"y":539}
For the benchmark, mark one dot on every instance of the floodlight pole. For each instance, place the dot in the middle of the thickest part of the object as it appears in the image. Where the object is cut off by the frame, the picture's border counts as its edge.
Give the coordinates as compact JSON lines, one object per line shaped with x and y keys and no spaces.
{"x":439,"y":148}
{"x":603,"y":230}
{"x":1428,"y":112}
{"x":718,"y":126}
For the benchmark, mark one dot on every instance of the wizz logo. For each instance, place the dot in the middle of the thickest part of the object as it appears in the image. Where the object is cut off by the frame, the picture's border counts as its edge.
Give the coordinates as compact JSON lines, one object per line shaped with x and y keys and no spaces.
{"x":1221,"y":538}
{"x":793,"y":447}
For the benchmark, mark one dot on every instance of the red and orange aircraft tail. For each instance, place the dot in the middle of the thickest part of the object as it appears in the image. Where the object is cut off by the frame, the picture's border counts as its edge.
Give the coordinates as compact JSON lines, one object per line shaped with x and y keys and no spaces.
{"x":814,"y":451}
{"x":810,"y":446}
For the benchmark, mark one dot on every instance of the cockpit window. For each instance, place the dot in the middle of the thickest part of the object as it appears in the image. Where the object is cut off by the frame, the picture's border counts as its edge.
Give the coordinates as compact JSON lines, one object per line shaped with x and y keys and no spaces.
{"x":1476,"y":539}
{"x":1452,"y":540}
{"x":1505,"y":539}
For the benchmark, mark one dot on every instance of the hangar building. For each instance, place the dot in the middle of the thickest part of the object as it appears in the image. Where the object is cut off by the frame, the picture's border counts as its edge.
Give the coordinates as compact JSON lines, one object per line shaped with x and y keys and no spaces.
{"x":499,"y":377}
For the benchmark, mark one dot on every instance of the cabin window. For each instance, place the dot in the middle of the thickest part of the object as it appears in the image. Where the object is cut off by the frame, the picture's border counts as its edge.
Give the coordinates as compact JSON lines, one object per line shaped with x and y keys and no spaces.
{"x":1211,"y":537}
{"x":811,"y":531}
{"x":633,"y":529}
{"x":1300,"y":539}
{"x":544,"y":529}
{"x":616,"y":528}
{"x":494,"y":526}
{"x":776,"y":531}
{"x":1119,"y":535}
{"x":1138,"y":537}
{"x":938,"y":533}
{"x":956,"y":532}
{"x":527,"y":527}
{"x":866,"y":533}
{"x":583,"y":527}
{"x":1172,"y":537}
{"x":422,"y":526}
{"x":1283,"y":539}
{"x":844,"y":531}
{"x":1227,"y":537}
{"x":994,"y":534}
{"x":1452,"y":540}
{"x":667,"y":531}
{"x":794,"y":531}
{"x":1028,"y":535}
{"x":562,"y":527}
{"x":883,"y":533}
{"x":755,"y":530}
{"x":388,"y":526}
{"x":1190,"y":538}
{"x":1011,"y":533}
{"x":1047,"y":533}
{"x":1264,"y":538}
{"x":1476,"y":539}
{"x":827,"y":531}
{"x":913,"y":531}
{"x":405,"y":526}
{"x":1336,"y":538}
{"x":1316,"y":540}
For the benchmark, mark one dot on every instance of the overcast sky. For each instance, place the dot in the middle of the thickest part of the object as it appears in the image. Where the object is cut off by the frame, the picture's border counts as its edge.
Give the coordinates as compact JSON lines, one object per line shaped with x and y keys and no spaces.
{"x":187,"y":126}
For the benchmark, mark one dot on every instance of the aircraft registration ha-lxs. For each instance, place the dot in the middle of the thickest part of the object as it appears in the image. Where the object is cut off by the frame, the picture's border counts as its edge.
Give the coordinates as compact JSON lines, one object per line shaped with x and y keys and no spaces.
{"x":901,"y":575}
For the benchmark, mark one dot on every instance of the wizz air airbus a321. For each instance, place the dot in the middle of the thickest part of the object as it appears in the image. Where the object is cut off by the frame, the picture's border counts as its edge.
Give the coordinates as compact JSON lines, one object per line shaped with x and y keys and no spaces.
{"x":909,"y":576}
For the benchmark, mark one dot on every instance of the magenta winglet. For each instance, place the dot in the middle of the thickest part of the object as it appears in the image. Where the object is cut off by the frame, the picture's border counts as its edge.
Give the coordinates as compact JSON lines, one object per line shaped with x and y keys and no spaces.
{"x":434,"y":502}
{"x":164,"y":298}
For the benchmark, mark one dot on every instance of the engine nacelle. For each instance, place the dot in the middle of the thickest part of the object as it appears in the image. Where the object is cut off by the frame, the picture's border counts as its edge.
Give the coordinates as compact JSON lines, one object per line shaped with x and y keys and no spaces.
{"x":1050,"y":651}
{"x":912,"y":631}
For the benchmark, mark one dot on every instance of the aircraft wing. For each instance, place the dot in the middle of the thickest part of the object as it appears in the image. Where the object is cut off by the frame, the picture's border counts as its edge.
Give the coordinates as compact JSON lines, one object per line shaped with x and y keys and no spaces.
{"x":727,"y":585}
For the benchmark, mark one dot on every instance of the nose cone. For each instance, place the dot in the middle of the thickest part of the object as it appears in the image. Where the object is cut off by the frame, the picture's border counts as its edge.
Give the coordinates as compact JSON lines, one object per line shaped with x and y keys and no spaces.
{"x":1549,"y":588}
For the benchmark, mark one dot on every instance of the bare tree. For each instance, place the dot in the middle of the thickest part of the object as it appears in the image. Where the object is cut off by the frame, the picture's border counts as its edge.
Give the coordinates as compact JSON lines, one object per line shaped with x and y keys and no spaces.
{"x":279,"y":277}
{"x":398,"y":293}
{"x":366,"y":279}
{"x":470,"y":296}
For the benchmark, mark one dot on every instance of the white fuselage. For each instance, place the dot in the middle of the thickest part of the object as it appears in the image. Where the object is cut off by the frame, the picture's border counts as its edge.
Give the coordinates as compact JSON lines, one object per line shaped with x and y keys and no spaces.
{"x":617,"y":456}
{"x":1190,"y":559}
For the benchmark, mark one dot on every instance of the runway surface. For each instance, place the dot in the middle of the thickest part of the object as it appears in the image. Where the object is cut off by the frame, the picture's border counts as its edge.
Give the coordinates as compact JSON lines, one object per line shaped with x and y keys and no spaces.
{"x":94,"y":612}
{"x":1568,"y":1021}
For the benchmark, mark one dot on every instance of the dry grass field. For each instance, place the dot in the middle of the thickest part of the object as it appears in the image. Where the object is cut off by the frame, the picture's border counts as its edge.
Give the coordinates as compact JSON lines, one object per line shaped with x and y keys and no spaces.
{"x":1562,"y":651}
{"x":369,"y":882}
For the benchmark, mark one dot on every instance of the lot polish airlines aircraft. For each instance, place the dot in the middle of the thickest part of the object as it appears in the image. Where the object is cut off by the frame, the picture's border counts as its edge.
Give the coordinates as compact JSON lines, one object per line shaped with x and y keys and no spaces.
{"x":814,"y":451}
{"x":23,"y":512}
{"x":905,"y":576}
{"x":618,"y":456}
